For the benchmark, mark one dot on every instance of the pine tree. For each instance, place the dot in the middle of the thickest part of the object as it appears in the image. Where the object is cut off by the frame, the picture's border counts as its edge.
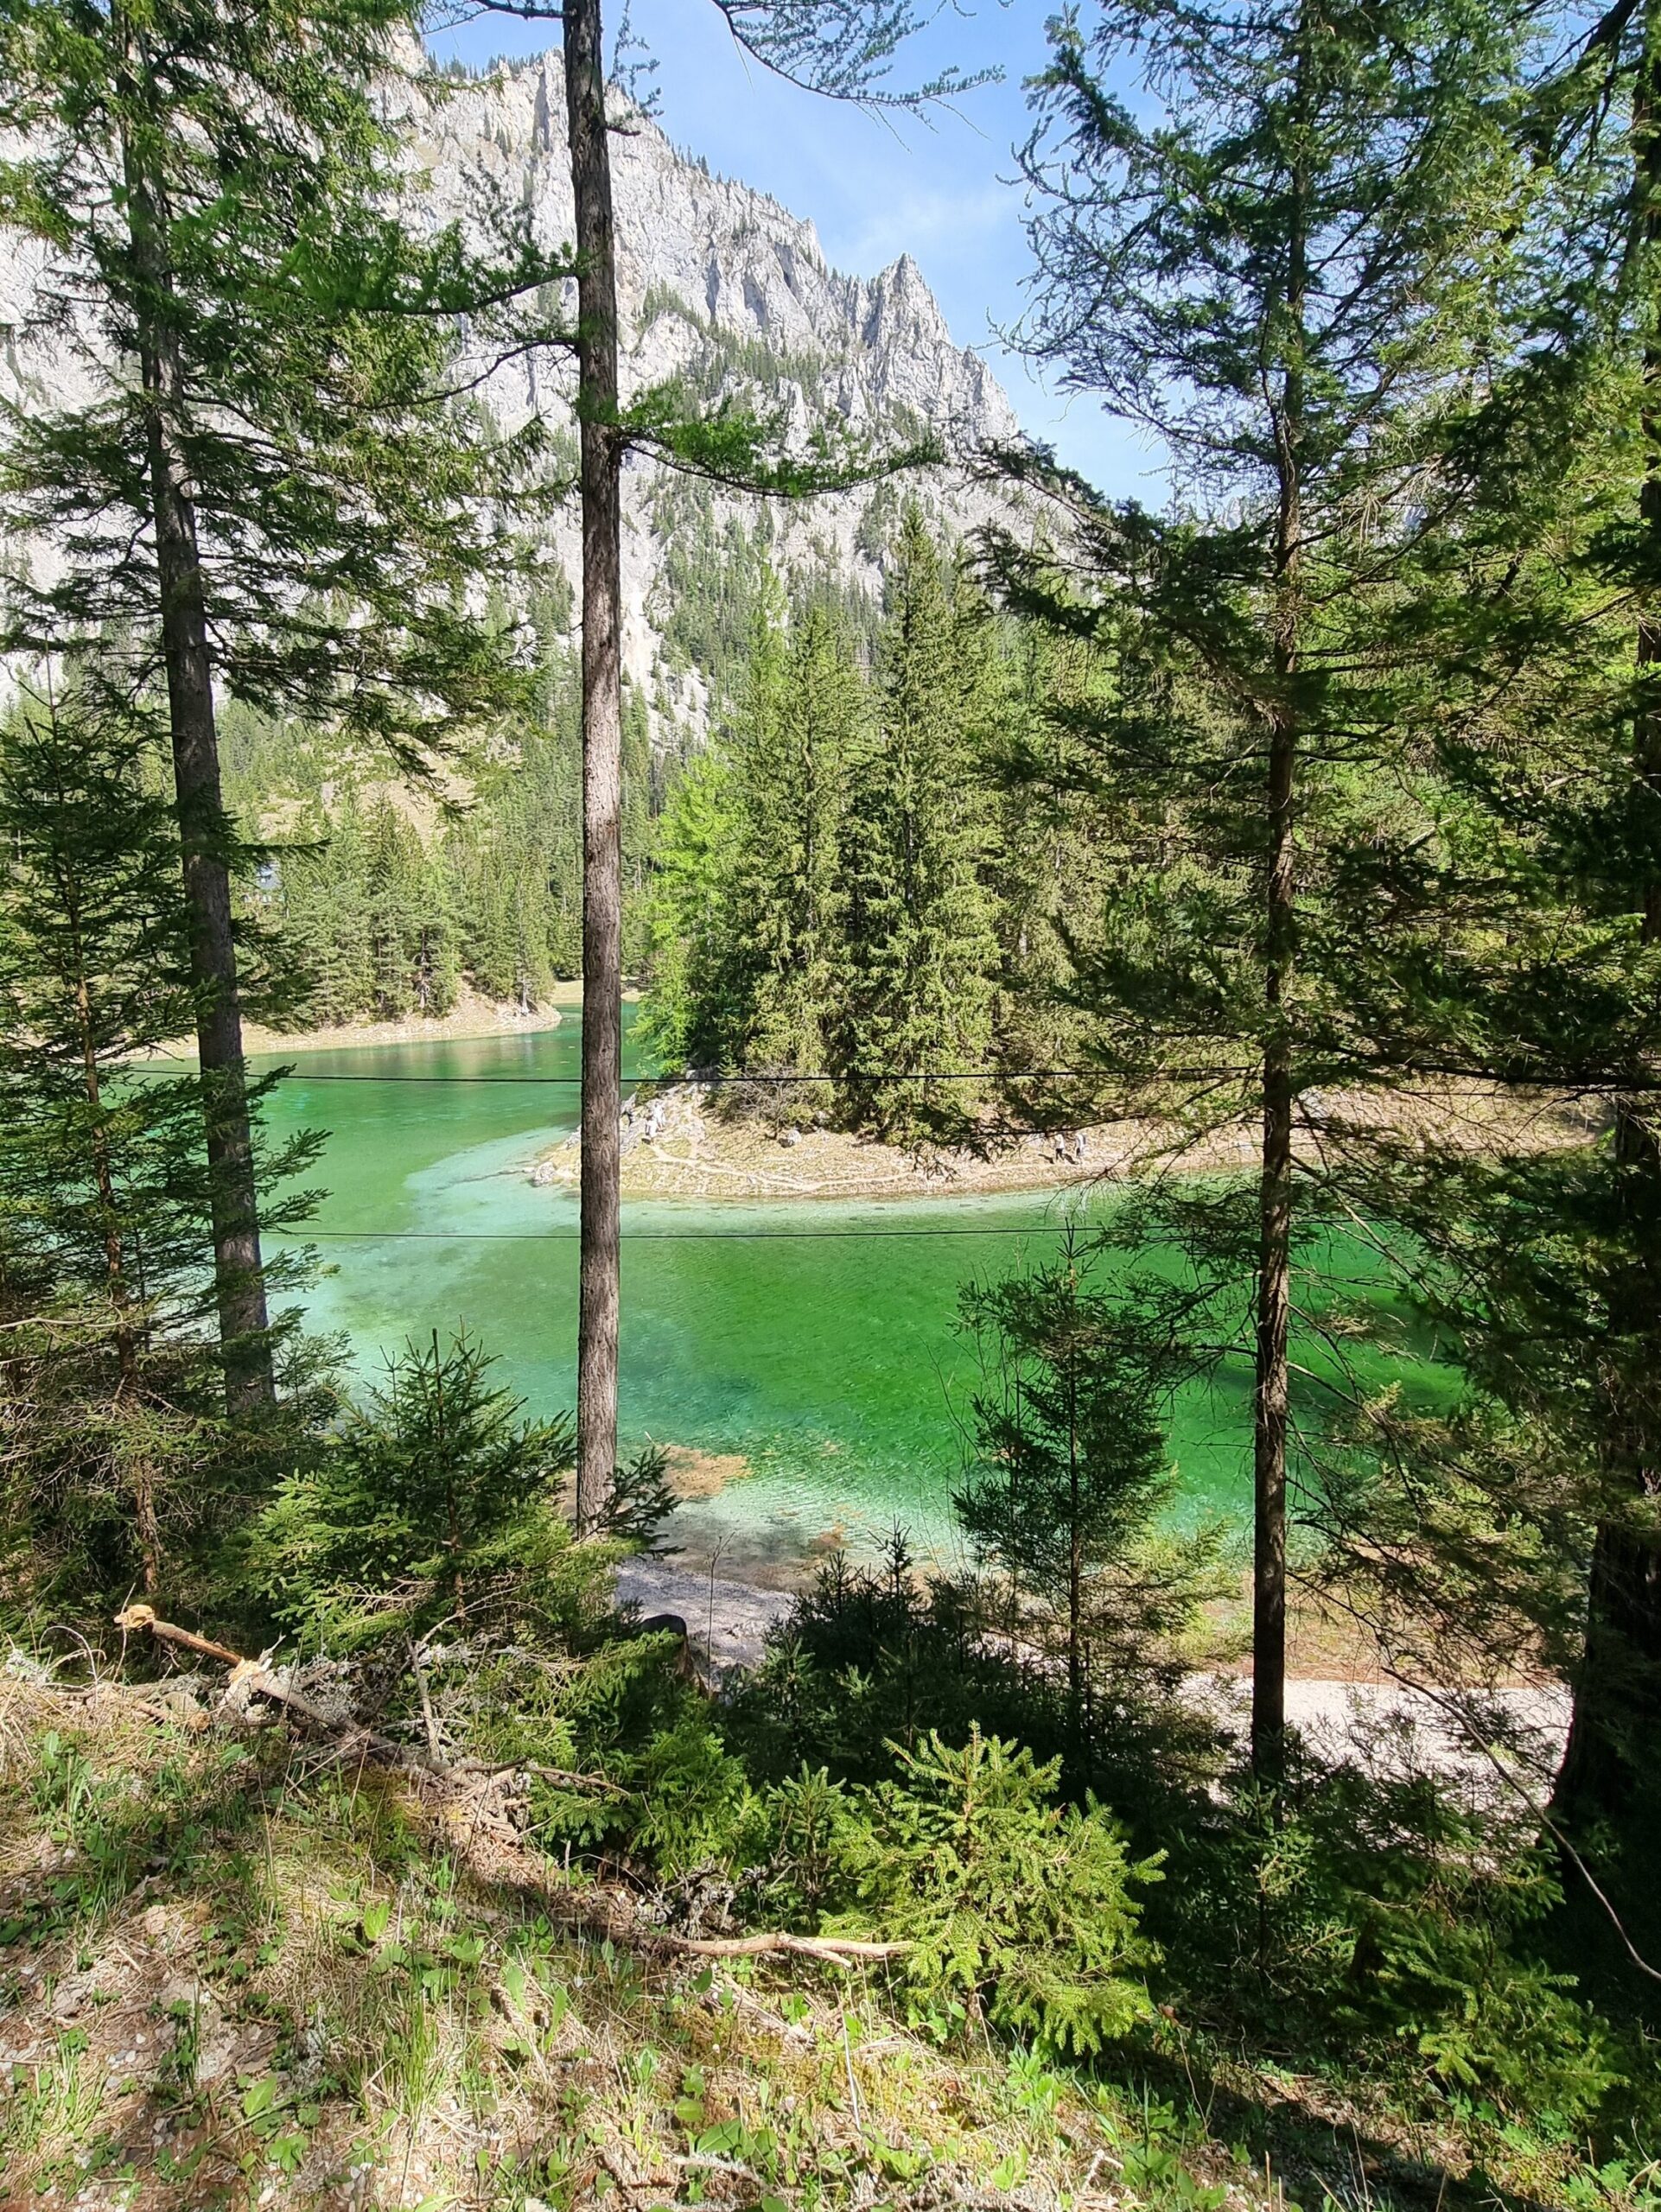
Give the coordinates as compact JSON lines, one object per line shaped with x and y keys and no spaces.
{"x":105,"y":1203}
{"x":1542,"y":1263}
{"x":919,"y":957}
{"x":434,"y":1503}
{"x":1070,"y":1473}
{"x":1287,"y":265}
{"x":326,"y":918}
{"x":263,"y":496}
{"x":790,"y":748}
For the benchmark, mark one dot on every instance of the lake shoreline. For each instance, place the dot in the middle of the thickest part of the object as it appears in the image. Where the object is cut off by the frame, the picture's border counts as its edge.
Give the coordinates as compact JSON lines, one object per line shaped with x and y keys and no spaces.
{"x":678,"y":1145}
{"x":472,"y":1017}
{"x":1350,"y":1713}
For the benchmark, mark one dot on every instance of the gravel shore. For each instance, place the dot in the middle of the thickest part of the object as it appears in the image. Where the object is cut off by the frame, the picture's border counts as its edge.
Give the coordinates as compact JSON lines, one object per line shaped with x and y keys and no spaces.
{"x":1384,"y":1724}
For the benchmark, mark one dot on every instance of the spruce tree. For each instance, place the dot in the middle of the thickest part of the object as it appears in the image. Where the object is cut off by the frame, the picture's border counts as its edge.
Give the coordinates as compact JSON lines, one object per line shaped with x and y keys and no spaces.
{"x":392,"y":879}
{"x":793,"y":738}
{"x":325,"y":920}
{"x":1609,"y":1762}
{"x":434,"y":1504}
{"x":106,"y":1205}
{"x":693,"y":1010}
{"x":264,"y":495}
{"x":918,"y":953}
{"x":1286,"y":261}
{"x":1541,"y":1264}
{"x":1070,"y":1473}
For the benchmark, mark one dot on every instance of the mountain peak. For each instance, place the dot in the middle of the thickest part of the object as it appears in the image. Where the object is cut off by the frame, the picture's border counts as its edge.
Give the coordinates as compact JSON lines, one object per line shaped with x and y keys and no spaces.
{"x":707,"y":264}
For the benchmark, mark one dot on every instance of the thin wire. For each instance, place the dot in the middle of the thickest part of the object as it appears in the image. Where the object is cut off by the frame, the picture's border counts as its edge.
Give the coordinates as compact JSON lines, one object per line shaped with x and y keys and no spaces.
{"x":642,"y":1235}
{"x":1405,"y":1070}
{"x":706,"y":1081}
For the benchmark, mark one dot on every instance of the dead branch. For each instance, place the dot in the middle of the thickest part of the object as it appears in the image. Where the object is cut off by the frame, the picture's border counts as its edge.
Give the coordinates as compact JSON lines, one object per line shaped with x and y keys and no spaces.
{"x":838,"y":1950}
{"x":842,"y":1948}
{"x":565,"y":1777}
{"x":137,"y":1617}
{"x":249,"y":1674}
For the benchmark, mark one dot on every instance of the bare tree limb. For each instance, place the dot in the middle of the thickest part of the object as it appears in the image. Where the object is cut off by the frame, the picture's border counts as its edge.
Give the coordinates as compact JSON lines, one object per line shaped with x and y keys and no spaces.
{"x":841,"y":1949}
{"x":250,"y":1674}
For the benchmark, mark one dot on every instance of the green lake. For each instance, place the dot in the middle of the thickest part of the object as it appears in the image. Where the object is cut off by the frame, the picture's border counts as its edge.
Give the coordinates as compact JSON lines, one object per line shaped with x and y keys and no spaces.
{"x":816,"y":1340}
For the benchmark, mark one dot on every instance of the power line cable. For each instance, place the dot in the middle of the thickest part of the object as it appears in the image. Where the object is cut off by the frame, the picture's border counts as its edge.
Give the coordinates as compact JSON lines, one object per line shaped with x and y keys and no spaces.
{"x":709,"y":1082}
{"x":1404,"y":1070}
{"x":645,"y":1235}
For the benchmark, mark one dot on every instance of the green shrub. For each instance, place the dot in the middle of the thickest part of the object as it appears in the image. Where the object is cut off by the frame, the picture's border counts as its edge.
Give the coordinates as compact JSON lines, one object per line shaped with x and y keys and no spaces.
{"x":1388,"y":1924}
{"x":1008,"y":1899}
{"x":434,"y":1504}
{"x":693,"y":1794}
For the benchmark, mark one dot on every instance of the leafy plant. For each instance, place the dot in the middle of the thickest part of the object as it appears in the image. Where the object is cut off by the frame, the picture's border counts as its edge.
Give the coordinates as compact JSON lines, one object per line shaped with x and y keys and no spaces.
{"x":433,"y":1503}
{"x":1007,"y":1898}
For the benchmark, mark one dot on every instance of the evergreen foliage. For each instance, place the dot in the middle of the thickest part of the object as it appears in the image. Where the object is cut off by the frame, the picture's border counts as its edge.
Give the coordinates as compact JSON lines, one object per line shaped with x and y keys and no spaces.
{"x":1005,"y":1896}
{"x":920,"y":950}
{"x":823,"y":899}
{"x":341,"y":506}
{"x":256,"y":477}
{"x":1069,"y":1477}
{"x":434,"y":1504}
{"x":1336,"y":778}
{"x":1291,"y":266}
{"x":118,"y":1456}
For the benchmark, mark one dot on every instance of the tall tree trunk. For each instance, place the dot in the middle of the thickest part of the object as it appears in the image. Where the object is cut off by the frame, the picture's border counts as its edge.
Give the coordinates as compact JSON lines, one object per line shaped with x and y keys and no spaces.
{"x":1272,"y":1393}
{"x":1075,"y":1561}
{"x":1273,"y":1388}
{"x":1616,"y":1723}
{"x":603,"y":746}
{"x":239,"y":1279}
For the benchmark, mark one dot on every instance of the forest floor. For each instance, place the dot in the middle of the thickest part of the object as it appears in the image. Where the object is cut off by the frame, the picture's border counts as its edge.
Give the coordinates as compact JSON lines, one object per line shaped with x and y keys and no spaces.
{"x":679,"y":1143}
{"x":236,"y":1973}
{"x":237,"y":1969}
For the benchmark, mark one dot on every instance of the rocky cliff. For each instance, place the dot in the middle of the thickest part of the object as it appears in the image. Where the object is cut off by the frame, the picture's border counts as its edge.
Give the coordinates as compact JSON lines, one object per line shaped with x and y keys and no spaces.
{"x":711,"y":274}
{"x":720,"y":286}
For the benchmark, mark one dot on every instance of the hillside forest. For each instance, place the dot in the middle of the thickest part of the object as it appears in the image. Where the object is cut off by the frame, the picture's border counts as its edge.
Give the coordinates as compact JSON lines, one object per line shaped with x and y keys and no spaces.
{"x":363,"y":1843}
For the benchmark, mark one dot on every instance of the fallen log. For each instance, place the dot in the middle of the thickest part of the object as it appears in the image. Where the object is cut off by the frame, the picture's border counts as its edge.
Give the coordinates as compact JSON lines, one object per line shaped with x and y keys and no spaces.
{"x":250,"y":1674}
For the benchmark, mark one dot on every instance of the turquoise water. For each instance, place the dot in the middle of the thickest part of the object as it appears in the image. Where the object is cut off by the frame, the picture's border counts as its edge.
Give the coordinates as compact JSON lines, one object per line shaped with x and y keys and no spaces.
{"x":817,"y":1341}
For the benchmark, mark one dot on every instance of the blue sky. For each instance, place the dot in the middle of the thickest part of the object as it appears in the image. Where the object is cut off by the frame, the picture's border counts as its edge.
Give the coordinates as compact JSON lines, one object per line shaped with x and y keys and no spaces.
{"x":876,"y":188}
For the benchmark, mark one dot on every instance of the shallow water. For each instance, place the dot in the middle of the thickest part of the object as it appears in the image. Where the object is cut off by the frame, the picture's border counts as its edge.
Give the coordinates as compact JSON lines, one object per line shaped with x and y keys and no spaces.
{"x":817,"y":1339}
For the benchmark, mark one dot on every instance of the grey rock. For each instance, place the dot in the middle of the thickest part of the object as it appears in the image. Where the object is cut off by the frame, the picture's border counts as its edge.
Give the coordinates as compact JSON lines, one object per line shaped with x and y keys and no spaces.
{"x":717,"y":283}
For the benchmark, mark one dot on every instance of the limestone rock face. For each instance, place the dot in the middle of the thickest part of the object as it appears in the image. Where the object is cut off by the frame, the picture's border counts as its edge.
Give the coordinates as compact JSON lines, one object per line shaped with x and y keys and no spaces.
{"x":719,"y":285}
{"x":710,"y":272}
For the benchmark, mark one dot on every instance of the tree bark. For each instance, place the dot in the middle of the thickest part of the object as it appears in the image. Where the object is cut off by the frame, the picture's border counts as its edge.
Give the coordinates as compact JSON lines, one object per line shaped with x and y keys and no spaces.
{"x":1075,"y":1558}
{"x":603,"y":741}
{"x":1616,"y":1722}
{"x":1272,"y":1394}
{"x":1273,"y":1388}
{"x":239,"y":1279}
